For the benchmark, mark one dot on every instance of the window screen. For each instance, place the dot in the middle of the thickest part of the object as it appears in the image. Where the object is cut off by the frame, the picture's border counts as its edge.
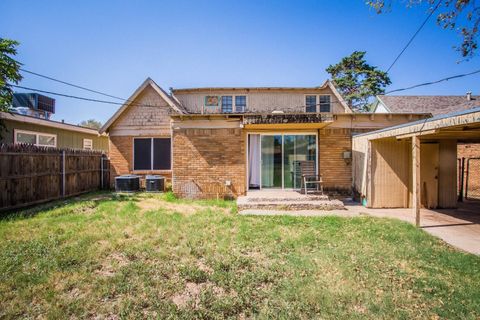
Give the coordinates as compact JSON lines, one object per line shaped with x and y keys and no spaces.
{"x":311,"y":103}
{"x":142,"y":154}
{"x":161,"y":154}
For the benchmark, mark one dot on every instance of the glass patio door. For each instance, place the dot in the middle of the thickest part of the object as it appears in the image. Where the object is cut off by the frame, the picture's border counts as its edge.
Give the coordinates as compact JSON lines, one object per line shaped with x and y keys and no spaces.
{"x":271,"y":167}
{"x":280,"y":156}
{"x":297,"y":148}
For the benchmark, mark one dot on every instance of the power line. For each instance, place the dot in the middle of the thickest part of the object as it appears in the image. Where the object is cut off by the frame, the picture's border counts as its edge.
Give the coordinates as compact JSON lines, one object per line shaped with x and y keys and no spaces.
{"x":435,"y":82}
{"x":72,"y":85}
{"x":414,"y":35}
{"x":77,"y":97}
{"x":290,"y":108}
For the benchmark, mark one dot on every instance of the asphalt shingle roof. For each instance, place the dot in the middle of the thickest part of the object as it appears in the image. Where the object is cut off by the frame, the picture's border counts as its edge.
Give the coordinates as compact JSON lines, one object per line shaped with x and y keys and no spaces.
{"x":435,"y":105}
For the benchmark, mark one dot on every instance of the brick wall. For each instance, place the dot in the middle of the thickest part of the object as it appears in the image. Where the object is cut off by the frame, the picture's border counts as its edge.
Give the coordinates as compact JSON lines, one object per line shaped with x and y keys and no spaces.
{"x":468,"y":150}
{"x":203,"y":159}
{"x":336,"y":172}
{"x":472,"y":169}
{"x":121,"y":159}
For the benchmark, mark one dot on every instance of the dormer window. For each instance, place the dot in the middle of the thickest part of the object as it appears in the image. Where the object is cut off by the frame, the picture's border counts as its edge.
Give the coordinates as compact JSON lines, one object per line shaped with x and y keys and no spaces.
{"x":240,"y":104}
{"x":322,"y":101}
{"x":227,"y":104}
{"x":325,"y":104}
{"x":311,"y":103}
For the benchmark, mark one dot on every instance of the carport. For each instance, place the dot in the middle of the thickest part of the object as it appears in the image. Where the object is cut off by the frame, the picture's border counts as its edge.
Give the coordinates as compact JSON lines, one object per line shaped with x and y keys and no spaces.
{"x":413,"y":165}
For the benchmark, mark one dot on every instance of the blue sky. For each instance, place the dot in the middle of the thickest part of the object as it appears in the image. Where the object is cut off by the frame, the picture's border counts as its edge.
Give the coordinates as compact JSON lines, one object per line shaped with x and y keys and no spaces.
{"x":112,"y":46}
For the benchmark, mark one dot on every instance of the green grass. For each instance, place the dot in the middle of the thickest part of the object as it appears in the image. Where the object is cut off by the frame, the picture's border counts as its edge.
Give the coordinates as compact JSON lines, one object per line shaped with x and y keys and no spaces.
{"x":155,"y":256}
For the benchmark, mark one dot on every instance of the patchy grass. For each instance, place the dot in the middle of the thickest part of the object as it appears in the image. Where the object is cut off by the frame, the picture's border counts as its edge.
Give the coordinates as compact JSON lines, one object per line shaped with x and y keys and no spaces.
{"x":140,"y":256}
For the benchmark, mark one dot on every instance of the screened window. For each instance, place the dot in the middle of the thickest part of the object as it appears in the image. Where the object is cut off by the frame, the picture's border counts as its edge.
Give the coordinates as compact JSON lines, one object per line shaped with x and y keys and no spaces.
{"x":325,"y":105}
{"x":226,"y":104}
{"x":36,"y":138}
{"x":311,"y":103}
{"x":151,"y":154}
{"x":240,"y":103}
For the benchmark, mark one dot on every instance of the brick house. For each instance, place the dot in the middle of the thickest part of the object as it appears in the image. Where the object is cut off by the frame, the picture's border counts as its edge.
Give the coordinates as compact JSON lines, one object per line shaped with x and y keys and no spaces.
{"x":222,"y":142}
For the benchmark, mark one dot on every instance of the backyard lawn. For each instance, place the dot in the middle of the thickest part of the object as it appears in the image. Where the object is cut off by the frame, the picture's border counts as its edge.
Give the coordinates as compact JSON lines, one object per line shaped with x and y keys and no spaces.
{"x":153,"y":256}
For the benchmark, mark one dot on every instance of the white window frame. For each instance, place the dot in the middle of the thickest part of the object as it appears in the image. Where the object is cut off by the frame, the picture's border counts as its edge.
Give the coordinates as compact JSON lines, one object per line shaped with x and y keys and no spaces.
{"x":234,"y":104}
{"x":91,"y":144}
{"x":151,"y":154}
{"x":37,"y":134}
{"x":317,"y":106}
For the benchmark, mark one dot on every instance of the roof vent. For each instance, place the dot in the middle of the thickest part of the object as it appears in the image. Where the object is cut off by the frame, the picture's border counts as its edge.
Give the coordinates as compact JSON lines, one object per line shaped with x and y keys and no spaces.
{"x":469,"y":95}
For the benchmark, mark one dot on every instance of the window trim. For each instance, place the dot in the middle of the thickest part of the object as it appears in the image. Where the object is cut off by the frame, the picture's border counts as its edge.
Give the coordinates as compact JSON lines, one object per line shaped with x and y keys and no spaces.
{"x":91,"y":144}
{"x":37,"y":134}
{"x":235,"y":102}
{"x":221,"y":103}
{"x":151,"y":154}
{"x":317,"y":106}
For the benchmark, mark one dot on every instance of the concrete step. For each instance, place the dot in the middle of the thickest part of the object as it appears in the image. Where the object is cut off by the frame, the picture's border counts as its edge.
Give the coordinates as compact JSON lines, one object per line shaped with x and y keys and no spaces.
{"x":282,"y":198}
{"x":291,"y":205}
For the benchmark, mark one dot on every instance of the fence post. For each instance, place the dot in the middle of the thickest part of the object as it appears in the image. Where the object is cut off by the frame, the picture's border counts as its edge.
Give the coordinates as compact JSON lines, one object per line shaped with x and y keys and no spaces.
{"x":63,"y":173}
{"x":101,"y":171}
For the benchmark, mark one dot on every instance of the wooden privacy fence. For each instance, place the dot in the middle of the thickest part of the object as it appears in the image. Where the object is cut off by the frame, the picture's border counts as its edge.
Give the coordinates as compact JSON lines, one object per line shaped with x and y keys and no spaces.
{"x":30,"y":175}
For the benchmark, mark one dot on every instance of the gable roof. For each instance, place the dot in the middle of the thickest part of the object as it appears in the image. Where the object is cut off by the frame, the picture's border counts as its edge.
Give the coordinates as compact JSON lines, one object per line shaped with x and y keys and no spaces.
{"x":436,"y":105}
{"x":173,"y":103}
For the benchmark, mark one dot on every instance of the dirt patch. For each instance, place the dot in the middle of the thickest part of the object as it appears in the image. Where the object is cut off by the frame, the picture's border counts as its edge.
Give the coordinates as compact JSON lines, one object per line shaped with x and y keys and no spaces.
{"x":192,"y":292}
{"x":203,"y":267}
{"x":156,"y":204}
{"x":111,"y":264}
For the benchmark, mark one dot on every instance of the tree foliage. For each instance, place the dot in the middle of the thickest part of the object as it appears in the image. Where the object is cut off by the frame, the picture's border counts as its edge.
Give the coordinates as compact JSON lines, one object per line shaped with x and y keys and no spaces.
{"x":9,"y":72}
{"x":91,"y":123}
{"x":462,"y":16}
{"x":358,"y":81}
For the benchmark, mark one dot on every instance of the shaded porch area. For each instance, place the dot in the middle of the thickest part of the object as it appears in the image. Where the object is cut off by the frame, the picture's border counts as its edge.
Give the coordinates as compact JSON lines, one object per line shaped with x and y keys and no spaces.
{"x":414,"y":165}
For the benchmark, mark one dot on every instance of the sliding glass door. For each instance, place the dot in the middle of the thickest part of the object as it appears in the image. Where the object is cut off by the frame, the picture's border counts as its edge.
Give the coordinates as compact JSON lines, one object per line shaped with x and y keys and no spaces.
{"x":271,"y":147}
{"x":297,"y":148}
{"x":280,"y":155}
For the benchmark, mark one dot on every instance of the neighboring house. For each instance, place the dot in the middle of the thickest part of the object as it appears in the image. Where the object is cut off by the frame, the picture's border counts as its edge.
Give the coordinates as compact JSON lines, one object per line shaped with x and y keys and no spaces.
{"x":34,"y":127}
{"x":435,"y":105}
{"x":222,"y":142}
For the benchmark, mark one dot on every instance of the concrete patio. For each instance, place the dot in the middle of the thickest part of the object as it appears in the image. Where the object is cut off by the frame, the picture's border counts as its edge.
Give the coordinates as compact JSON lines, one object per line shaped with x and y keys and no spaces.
{"x":459,"y":227}
{"x":287,"y":200}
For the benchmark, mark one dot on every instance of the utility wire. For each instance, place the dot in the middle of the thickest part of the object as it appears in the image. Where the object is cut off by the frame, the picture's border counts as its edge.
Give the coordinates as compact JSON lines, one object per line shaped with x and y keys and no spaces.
{"x":81,"y":98}
{"x":435,"y":82}
{"x":71,"y":84}
{"x":291,"y":108}
{"x":414,"y":35}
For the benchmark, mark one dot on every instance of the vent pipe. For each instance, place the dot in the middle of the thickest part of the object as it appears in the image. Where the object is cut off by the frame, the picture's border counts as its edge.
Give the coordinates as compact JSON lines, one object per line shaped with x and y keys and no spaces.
{"x":469,"y":96}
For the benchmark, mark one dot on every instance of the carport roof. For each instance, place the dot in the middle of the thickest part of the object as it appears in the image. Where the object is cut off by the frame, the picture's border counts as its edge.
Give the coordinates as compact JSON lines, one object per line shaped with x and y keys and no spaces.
{"x":457,"y":125}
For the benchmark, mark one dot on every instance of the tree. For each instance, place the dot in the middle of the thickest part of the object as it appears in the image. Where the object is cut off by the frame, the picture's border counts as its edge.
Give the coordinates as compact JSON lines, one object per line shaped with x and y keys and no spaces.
{"x":460,"y":15}
{"x":91,"y":123}
{"x":358,"y":81}
{"x":9,"y":72}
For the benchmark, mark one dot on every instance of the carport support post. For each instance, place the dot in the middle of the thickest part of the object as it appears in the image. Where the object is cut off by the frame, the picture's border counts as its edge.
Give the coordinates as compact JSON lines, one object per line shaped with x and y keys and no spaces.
{"x":416,"y":178}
